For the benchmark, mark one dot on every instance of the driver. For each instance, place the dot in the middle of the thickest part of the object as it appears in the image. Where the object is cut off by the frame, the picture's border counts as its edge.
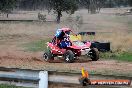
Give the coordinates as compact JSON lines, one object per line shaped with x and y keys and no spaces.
{"x":62,"y":38}
{"x":65,"y":42}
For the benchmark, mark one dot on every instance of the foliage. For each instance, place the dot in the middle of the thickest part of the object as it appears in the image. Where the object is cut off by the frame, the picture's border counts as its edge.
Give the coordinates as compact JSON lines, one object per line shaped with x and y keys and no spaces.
{"x":93,"y":6}
{"x":60,"y":6}
{"x":50,"y":4}
{"x":7,"y":5}
{"x":33,"y":4}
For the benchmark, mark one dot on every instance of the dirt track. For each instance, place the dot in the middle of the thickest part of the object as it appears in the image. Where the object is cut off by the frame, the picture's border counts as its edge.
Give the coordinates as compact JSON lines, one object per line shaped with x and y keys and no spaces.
{"x":12,"y":35}
{"x":20,"y":59}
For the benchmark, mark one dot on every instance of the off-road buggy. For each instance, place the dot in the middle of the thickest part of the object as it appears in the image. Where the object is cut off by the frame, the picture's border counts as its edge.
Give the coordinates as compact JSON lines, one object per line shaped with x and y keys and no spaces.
{"x":62,"y":46}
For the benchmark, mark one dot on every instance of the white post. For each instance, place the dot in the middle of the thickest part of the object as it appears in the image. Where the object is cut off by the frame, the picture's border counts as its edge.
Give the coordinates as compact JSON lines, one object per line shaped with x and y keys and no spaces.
{"x":43,"y":82}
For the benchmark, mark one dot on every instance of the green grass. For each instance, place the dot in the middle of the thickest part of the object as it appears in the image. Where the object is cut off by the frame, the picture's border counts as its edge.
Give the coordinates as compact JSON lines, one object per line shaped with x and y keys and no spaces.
{"x":125,"y":56}
{"x":9,"y":86}
{"x":35,"y":46}
{"x":122,"y":56}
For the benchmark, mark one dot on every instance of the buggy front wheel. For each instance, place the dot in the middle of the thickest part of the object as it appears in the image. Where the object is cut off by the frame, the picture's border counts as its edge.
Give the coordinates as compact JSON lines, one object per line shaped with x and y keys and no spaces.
{"x":48,"y":56}
{"x":69,"y":56}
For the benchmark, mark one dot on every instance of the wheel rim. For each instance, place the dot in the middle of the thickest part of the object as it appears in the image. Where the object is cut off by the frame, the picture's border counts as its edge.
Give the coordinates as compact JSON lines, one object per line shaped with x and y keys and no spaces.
{"x":45,"y":57}
{"x":92,"y":54}
{"x":67,"y":57}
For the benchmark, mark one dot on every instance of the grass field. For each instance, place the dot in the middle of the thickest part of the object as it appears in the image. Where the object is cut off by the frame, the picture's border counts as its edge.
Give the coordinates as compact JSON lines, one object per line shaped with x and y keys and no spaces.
{"x":22,"y":43}
{"x":108,"y":27}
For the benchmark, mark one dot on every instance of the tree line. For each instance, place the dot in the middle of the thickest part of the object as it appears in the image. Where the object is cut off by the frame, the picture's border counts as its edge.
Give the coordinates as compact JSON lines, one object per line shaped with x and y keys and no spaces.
{"x":69,"y":6}
{"x":44,"y":4}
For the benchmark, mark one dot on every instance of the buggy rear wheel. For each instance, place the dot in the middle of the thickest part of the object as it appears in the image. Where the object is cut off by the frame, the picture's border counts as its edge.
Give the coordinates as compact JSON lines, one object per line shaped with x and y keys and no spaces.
{"x":94,"y":54}
{"x":48,"y":56}
{"x":69,"y":56}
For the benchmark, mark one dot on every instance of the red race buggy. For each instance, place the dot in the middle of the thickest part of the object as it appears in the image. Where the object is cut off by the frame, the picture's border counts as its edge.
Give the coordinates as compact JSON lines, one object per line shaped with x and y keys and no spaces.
{"x":62,"y":46}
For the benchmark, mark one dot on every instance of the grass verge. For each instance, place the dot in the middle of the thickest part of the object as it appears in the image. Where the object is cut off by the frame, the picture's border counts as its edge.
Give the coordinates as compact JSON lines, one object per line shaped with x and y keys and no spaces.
{"x":35,"y":46}
{"x":9,"y":86}
{"x":122,"y":56}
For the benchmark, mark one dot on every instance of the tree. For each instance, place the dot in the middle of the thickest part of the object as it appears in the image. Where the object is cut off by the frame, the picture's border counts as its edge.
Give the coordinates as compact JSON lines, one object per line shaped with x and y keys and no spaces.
{"x":7,"y":5}
{"x":59,"y":6}
{"x":130,"y":2}
{"x":93,"y":6}
{"x":85,"y":3}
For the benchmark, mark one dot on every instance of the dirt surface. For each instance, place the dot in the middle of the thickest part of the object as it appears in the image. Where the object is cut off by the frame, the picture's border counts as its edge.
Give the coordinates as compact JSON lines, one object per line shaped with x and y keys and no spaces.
{"x":20,"y":59}
{"x":12,"y":35}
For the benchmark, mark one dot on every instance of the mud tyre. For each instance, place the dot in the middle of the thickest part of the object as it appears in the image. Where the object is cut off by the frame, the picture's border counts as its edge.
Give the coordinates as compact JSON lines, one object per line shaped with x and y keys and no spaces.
{"x":84,"y":81}
{"x":69,"y":56}
{"x":94,"y":54}
{"x":48,"y":56}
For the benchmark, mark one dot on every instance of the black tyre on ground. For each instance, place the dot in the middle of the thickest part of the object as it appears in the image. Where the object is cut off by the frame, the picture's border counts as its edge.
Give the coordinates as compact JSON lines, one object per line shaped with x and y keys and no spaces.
{"x":84,"y":81}
{"x":69,"y":56}
{"x":48,"y":56}
{"x":94,"y":54}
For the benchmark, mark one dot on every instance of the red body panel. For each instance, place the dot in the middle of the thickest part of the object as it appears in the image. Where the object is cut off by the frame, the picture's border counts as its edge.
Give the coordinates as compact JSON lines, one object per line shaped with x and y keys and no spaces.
{"x":56,"y":50}
{"x":76,"y":49}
